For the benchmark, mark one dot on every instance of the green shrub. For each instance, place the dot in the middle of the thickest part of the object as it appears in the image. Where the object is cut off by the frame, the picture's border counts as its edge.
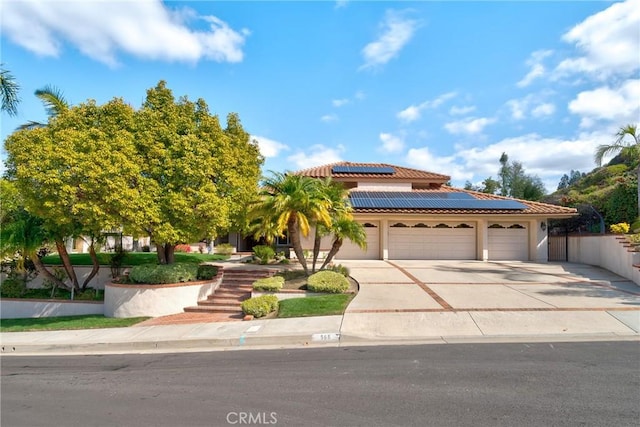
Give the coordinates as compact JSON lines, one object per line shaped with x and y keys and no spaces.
{"x":327,"y":281}
{"x":206,"y":272}
{"x":264,"y":254}
{"x":269,"y":284}
{"x":340,"y":269}
{"x":260,"y":306}
{"x":12,"y":287}
{"x":163,"y":273}
{"x":224,"y":249}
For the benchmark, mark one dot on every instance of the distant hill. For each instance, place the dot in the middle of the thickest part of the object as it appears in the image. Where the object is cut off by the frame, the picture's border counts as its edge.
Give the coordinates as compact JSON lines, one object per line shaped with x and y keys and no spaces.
{"x":611,"y":189}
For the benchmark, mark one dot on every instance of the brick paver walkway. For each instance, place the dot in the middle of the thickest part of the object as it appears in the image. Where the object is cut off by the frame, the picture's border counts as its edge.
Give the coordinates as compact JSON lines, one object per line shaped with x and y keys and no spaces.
{"x":187,"y":318}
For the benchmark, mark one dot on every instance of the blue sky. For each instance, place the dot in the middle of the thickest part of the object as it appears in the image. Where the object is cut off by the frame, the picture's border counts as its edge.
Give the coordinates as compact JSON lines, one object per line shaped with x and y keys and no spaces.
{"x":441,"y":86}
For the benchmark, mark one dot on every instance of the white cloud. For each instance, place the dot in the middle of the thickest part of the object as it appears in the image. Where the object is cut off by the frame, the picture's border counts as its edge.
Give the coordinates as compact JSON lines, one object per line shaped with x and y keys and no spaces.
{"x":608,"y":42}
{"x":340,"y":102}
{"x":317,"y":155}
{"x":531,"y":104}
{"x":470,"y":126}
{"x":461,"y":111}
{"x":360,"y":95}
{"x":536,"y":68}
{"x":422,"y":158}
{"x":413,"y":112}
{"x":391,"y":143}
{"x":269,"y":147}
{"x":329,"y":118}
{"x":341,"y":3}
{"x":102,"y":29}
{"x":396,"y":32}
{"x":618,"y":105}
{"x":543,"y":110}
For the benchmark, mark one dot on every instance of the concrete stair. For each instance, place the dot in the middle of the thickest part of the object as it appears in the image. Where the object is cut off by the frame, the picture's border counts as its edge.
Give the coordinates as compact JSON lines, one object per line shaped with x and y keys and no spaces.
{"x":236,"y":287}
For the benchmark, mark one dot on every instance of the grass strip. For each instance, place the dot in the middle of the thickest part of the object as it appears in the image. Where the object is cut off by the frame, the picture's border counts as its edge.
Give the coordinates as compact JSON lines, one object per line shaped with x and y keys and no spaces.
{"x":91,"y":321}
{"x":324,"y":305}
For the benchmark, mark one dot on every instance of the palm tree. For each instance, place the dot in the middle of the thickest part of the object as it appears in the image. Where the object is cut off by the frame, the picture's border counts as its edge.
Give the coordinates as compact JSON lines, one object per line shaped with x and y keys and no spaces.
{"x":627,"y":144}
{"x":345,"y":228}
{"x":9,"y":89}
{"x":292,"y":202}
{"x":336,"y":196}
{"x":54,"y":104}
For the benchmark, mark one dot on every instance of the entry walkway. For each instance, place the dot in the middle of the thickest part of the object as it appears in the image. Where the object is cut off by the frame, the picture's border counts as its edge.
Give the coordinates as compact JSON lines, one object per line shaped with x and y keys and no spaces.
{"x":421,"y":299}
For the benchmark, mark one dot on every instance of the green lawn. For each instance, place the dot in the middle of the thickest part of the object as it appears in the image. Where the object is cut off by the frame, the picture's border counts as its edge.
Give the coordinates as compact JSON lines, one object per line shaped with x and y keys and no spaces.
{"x":325,"y":305}
{"x":133,"y":258}
{"x":92,"y":321}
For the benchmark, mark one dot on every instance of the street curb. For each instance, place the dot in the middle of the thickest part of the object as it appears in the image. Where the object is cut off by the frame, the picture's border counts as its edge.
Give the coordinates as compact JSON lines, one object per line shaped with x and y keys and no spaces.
{"x":280,"y":342}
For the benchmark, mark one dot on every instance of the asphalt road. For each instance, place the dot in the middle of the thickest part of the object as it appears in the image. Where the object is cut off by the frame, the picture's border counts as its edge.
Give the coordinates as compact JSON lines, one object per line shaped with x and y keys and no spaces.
{"x":434,"y":385}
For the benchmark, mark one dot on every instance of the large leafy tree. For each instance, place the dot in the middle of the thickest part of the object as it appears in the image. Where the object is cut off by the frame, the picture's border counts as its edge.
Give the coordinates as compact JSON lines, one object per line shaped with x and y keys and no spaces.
{"x":293,"y":203}
{"x":9,"y":92}
{"x":627,"y":145}
{"x":198,"y":176}
{"x":515,"y":182}
{"x":80,"y":174}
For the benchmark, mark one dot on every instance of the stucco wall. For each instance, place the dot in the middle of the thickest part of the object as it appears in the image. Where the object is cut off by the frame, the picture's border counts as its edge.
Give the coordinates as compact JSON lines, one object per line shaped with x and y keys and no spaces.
{"x":155,"y":300}
{"x":607,"y":252}
{"x":22,"y":309}
{"x":98,"y":282}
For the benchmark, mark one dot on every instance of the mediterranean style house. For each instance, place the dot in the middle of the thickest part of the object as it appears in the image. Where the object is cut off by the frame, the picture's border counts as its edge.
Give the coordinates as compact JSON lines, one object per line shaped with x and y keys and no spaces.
{"x":413,"y":214}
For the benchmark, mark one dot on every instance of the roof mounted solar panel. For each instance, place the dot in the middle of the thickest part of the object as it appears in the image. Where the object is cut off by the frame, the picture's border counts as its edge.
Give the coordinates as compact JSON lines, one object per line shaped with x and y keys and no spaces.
{"x":379,"y":170}
{"x":406,"y":200}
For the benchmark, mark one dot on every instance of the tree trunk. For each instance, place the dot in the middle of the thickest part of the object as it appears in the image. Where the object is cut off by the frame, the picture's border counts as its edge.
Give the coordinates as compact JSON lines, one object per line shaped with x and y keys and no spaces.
{"x":66,"y":263}
{"x":335,"y":247}
{"x":166,"y":253}
{"x":316,"y":249}
{"x":294,"y":234}
{"x":46,"y":273}
{"x":94,"y":269}
{"x":638,"y":191}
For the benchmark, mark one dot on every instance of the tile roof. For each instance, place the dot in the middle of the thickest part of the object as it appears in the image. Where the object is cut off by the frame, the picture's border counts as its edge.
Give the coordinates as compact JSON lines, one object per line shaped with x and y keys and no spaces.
{"x":415,"y":175}
{"x":401,"y":173}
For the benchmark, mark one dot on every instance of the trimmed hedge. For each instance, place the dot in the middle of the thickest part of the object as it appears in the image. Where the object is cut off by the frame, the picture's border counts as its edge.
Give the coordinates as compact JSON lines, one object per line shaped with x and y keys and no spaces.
{"x":206,"y":272}
{"x":260,"y":306}
{"x":163,"y":273}
{"x":269,"y":284}
{"x":327,"y":281}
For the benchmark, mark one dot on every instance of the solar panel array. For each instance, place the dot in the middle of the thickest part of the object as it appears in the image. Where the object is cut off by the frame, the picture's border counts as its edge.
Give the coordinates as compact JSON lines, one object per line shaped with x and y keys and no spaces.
{"x":416,"y":200}
{"x":381,"y":170}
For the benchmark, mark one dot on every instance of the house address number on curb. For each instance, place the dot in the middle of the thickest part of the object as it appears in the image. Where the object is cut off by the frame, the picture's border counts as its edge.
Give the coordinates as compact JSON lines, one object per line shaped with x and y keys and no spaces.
{"x":325,"y":337}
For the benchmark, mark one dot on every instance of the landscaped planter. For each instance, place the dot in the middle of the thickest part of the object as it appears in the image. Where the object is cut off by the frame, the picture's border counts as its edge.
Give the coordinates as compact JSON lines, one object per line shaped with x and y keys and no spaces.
{"x":136,"y":300}
{"x":18,"y":308}
{"x":288,"y":294}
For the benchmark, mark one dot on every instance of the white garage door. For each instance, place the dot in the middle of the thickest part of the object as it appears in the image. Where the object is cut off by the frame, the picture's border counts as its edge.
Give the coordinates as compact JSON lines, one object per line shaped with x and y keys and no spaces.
{"x":508,"y":241}
{"x":432,"y":240}
{"x":352,"y":251}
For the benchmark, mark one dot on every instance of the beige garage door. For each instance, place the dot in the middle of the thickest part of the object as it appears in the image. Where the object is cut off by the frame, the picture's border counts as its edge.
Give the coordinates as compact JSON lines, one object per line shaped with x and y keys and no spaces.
{"x":432,"y":240}
{"x":508,"y":241}
{"x":352,"y":251}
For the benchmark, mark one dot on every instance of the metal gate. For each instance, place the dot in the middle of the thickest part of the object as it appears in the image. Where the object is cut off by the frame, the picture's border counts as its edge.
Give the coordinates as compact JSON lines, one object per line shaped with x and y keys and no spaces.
{"x":558,"y":247}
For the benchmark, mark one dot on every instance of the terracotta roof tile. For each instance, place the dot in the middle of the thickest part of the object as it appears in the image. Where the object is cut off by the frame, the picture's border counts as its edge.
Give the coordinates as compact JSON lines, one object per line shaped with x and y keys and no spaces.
{"x":401,"y":173}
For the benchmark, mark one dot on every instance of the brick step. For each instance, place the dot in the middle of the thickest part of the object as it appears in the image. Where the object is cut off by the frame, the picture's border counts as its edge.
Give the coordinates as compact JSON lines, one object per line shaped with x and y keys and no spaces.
{"x":234,"y":289}
{"x":220,"y":304}
{"x":235,"y":312}
{"x":225,"y":301}
{"x":229,"y":295}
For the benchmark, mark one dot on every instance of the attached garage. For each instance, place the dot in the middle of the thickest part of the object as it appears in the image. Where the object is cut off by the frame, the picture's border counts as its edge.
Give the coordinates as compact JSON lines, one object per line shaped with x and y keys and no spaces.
{"x":350,"y":250}
{"x":432,"y":240}
{"x":508,"y":241}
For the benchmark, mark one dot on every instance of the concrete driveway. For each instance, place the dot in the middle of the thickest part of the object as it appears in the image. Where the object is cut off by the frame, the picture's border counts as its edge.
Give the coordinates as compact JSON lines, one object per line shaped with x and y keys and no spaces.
{"x":431,"y":299}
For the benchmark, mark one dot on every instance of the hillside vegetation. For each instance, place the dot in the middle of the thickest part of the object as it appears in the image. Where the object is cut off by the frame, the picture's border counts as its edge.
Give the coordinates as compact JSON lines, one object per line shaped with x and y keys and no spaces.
{"x":611,"y":189}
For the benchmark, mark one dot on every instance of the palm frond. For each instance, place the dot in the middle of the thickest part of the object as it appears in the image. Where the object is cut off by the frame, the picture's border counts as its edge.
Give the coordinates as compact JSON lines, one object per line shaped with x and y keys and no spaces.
{"x":31,"y":125}
{"x":9,"y":89}
{"x":53,"y":100}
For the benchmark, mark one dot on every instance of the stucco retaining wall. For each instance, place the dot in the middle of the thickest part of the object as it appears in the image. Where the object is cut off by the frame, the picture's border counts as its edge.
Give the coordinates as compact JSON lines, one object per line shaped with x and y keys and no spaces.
{"x":98,"y":282}
{"x":131,"y":300}
{"x":607,"y":252}
{"x":21,"y":309}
